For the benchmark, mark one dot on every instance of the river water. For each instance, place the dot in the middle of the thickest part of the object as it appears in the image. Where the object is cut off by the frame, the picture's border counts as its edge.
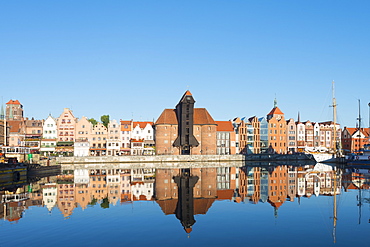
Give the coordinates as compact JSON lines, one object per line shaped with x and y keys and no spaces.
{"x":253,"y":205}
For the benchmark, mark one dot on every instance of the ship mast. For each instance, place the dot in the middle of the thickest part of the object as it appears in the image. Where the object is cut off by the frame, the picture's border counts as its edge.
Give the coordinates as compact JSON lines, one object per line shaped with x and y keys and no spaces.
{"x":335,"y":207}
{"x":359,"y":126}
{"x":334,"y":105}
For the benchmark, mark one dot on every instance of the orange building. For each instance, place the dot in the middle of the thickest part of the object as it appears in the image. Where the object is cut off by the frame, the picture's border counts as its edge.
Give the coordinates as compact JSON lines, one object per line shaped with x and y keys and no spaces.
{"x":277,"y":130}
{"x":278,"y":185}
{"x":354,"y":139}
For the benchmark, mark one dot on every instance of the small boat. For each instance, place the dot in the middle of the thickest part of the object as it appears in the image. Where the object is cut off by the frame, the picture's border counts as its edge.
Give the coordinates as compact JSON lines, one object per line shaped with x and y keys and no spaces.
{"x":363,"y":158}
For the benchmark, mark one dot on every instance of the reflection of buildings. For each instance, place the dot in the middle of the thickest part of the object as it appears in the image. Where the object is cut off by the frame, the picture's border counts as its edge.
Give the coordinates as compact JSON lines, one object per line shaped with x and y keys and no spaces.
{"x":142,"y":184}
{"x":183,"y":192}
{"x":186,"y":192}
{"x":49,"y":192}
{"x":284,"y":183}
{"x":66,"y":195}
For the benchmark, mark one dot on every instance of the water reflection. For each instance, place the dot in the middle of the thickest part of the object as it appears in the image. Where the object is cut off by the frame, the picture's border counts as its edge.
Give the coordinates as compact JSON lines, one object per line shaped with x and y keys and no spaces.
{"x":183,"y":192}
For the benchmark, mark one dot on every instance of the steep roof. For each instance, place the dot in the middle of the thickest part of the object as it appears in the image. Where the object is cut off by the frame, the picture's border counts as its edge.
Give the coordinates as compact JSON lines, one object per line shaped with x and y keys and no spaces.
{"x":275,"y":110}
{"x":352,"y":131}
{"x":15,"y":126}
{"x":142,"y":125}
{"x":201,"y":116}
{"x":224,"y":126}
{"x":13,"y":102}
{"x":168,"y":116}
{"x":187,"y":92}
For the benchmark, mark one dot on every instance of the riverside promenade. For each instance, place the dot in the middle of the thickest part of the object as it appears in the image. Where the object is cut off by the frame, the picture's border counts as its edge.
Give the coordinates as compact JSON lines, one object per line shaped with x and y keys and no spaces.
{"x":154,"y":161}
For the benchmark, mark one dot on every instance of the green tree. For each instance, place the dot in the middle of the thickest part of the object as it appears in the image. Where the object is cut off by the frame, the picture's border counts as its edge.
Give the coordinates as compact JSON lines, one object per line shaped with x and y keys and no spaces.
{"x":105,"y":203}
{"x":105,"y":120}
{"x":93,"y":202}
{"x":93,"y":121}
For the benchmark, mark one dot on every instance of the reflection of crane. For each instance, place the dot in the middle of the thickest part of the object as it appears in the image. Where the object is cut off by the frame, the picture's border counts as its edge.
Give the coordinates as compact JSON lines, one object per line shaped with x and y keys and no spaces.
{"x":185,"y":205}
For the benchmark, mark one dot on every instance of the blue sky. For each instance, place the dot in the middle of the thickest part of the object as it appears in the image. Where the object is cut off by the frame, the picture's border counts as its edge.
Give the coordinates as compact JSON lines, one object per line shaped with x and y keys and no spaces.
{"x":132,"y":59}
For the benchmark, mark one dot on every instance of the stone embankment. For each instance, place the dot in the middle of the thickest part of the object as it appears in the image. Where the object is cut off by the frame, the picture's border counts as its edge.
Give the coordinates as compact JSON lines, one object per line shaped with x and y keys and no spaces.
{"x":154,"y":161}
{"x":179,"y":161}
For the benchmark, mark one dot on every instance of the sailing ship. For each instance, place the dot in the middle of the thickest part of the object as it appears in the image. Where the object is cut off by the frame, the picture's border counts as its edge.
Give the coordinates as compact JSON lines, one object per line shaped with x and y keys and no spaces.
{"x":334,"y":155}
{"x":362,"y":157}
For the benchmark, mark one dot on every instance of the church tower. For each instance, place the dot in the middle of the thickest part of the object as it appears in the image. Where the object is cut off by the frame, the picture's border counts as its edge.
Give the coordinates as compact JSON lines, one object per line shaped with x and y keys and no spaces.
{"x":14,"y":110}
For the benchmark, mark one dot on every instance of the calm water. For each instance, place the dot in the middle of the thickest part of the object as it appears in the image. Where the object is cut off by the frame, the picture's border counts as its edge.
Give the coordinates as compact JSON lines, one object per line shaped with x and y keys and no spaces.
{"x":282,"y":205}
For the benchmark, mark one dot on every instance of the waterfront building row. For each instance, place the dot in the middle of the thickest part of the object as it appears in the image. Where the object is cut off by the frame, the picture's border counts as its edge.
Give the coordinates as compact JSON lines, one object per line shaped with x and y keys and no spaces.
{"x":183,"y":130}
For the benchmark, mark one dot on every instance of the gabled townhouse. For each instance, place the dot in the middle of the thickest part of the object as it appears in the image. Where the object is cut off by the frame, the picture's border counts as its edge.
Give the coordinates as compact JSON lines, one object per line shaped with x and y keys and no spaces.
{"x":98,"y":143}
{"x":255,"y":124}
{"x":309,"y":134}
{"x":291,"y":135}
{"x":328,"y":138}
{"x":142,"y":138}
{"x":81,"y":145}
{"x":241,"y":128}
{"x":49,"y":136}
{"x":114,"y":140}
{"x":236,"y":122}
{"x":316,"y":136}
{"x":66,"y":124}
{"x":301,"y":134}
{"x":126,"y":129}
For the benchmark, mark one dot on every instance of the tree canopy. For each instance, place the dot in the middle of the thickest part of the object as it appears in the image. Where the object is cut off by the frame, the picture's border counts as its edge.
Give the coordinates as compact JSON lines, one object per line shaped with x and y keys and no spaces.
{"x":93,"y":121}
{"x":105,"y":120}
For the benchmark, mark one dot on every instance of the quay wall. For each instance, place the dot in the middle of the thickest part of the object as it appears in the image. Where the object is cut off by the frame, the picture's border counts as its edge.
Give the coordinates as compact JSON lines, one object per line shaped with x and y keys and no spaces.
{"x":154,"y":161}
{"x":148,"y":159}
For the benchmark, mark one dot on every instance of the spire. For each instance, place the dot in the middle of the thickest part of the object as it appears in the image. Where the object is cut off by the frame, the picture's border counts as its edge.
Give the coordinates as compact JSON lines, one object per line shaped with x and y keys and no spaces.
{"x":275,"y":102}
{"x":2,"y":115}
{"x":299,"y":118}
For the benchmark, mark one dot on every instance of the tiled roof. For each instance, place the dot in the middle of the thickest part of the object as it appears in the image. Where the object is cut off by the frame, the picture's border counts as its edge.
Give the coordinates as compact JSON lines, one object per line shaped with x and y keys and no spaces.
{"x":168,"y":116}
{"x":168,"y":206}
{"x":142,"y":125}
{"x":15,"y":126}
{"x":275,"y":110}
{"x":352,"y":131}
{"x":13,"y":102}
{"x":225,"y":194}
{"x":201,"y":116}
{"x":224,"y":126}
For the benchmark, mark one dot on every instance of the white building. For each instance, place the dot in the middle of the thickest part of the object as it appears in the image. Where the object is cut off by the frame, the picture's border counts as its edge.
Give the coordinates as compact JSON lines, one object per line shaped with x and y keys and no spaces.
{"x":142,"y":132}
{"x":81,"y":176}
{"x":49,"y":136}
{"x":49,"y":195}
{"x":81,"y":148}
